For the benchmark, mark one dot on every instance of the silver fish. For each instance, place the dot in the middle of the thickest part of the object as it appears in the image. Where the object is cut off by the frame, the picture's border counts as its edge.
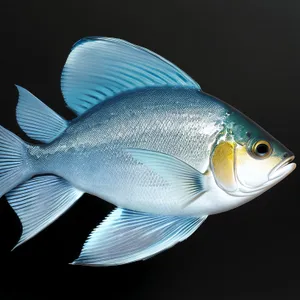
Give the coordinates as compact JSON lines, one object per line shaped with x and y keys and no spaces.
{"x":146,"y":139}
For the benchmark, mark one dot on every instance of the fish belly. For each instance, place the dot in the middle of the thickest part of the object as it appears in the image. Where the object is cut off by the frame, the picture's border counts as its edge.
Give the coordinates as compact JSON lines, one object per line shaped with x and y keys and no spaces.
{"x":90,"y":154}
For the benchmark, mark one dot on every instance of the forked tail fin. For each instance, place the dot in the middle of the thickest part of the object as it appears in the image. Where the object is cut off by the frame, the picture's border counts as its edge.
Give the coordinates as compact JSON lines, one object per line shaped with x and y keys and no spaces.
{"x":14,"y":164}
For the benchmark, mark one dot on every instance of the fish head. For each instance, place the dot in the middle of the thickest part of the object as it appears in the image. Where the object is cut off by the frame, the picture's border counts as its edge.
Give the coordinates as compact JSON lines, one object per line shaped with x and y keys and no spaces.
{"x":247,"y":160}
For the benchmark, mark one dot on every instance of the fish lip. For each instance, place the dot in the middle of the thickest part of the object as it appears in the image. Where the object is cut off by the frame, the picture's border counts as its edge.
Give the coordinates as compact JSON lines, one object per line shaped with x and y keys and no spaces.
{"x":277,"y":174}
{"x":284,"y":168}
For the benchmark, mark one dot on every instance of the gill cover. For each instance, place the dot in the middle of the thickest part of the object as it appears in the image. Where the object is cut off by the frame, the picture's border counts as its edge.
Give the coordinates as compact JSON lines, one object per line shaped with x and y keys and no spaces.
{"x":223,"y":162}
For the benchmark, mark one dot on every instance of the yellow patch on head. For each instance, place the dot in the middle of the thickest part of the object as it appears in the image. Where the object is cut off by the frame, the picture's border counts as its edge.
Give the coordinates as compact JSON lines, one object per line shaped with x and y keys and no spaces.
{"x":223,"y":165}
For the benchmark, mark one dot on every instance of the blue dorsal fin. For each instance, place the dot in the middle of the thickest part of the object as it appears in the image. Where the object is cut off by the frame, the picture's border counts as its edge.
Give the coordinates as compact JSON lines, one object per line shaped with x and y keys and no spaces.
{"x":38,"y":120}
{"x":98,"y":68}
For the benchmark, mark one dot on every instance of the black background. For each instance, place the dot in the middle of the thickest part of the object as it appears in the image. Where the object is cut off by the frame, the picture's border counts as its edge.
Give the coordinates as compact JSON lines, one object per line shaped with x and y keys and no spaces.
{"x":244,"y":52}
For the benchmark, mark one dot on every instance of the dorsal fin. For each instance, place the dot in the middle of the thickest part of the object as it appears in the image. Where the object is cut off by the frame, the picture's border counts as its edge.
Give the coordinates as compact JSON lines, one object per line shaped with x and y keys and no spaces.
{"x":38,"y":120}
{"x":98,"y":68}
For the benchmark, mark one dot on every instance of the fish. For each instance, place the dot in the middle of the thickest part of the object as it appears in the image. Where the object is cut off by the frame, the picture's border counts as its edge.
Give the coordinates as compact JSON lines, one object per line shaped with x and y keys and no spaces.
{"x":147,"y":139}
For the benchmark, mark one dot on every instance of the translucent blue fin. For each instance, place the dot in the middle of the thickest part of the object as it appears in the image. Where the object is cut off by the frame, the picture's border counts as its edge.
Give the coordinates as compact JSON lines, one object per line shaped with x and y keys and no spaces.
{"x":13,"y":165}
{"x":40,"y":201}
{"x":36,"y":119}
{"x":186,"y":183}
{"x":126,"y":236}
{"x":98,"y":68}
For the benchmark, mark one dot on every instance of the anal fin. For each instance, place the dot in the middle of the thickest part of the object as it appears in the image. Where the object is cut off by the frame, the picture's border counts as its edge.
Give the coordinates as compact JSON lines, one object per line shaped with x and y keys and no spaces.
{"x":40,"y":201}
{"x":126,"y":236}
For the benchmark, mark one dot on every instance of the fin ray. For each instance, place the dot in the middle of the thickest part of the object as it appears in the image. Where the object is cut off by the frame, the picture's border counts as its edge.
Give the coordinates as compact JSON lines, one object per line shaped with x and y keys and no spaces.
{"x":186,"y":183}
{"x":98,"y":68}
{"x":36,"y":119}
{"x":13,"y":167}
{"x":126,"y":236}
{"x":40,"y":201}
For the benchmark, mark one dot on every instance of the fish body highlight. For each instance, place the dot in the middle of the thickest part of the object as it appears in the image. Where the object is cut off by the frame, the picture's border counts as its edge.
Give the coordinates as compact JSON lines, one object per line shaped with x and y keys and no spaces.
{"x":146,"y":139}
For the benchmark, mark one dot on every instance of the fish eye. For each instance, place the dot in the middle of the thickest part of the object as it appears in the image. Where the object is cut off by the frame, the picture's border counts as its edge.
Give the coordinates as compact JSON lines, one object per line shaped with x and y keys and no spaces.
{"x":262,"y":149}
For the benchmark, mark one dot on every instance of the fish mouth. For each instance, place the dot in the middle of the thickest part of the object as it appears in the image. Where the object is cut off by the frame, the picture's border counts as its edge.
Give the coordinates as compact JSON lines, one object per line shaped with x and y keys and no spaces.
{"x":283,"y":169}
{"x":277,"y":174}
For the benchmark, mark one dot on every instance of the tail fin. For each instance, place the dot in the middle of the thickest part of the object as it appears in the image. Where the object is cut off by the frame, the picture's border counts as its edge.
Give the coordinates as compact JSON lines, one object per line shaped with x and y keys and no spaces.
{"x":13,"y":164}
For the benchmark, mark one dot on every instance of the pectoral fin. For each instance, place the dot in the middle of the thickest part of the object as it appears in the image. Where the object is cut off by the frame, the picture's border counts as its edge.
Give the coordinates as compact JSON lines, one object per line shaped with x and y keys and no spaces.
{"x":186,"y":183}
{"x":126,"y":236}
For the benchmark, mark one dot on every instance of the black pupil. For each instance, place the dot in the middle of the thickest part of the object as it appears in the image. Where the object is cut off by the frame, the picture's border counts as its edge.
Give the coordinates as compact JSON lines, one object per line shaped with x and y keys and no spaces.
{"x":262,"y":149}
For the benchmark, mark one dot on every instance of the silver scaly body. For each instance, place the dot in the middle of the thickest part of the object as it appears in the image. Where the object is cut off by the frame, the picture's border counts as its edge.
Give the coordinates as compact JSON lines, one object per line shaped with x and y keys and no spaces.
{"x":90,"y":153}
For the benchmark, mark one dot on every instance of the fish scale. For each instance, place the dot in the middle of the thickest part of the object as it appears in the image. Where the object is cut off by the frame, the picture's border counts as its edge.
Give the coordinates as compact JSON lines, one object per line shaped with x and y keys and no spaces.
{"x":146,"y":139}
{"x":97,"y":161}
